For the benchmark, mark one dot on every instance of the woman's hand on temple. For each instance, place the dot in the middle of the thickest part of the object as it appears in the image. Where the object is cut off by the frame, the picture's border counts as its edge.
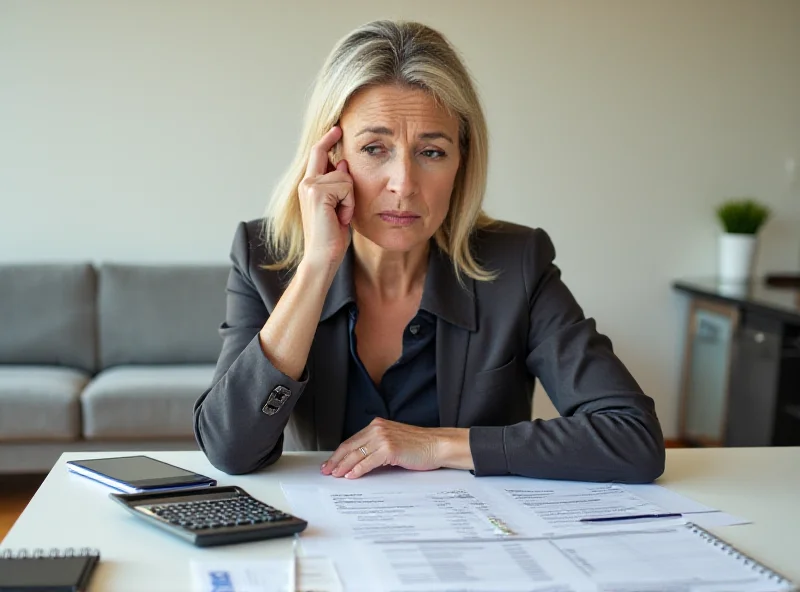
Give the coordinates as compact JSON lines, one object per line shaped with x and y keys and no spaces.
{"x":385,"y":442}
{"x":326,"y":205}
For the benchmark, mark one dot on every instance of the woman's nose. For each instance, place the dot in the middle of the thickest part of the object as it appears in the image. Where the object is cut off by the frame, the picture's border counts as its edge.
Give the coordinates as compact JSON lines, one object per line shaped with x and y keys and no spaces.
{"x":403,"y":176}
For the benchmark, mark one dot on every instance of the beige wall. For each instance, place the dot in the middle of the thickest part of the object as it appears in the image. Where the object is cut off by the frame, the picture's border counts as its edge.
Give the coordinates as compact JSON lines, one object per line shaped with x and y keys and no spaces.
{"x":143,"y":131}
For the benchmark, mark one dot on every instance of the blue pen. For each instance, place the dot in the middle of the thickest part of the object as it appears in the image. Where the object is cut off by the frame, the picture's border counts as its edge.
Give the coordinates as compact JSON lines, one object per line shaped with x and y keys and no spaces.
{"x":635,"y":517}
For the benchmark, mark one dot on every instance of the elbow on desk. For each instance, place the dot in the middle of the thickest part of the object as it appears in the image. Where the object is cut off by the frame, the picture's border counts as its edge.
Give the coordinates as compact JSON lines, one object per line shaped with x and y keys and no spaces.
{"x":646,"y":469}
{"x":234,"y":461}
{"x":634,"y":443}
{"x":233,"y":465}
{"x":647,"y":460}
{"x":629,"y":448}
{"x":230,"y":456}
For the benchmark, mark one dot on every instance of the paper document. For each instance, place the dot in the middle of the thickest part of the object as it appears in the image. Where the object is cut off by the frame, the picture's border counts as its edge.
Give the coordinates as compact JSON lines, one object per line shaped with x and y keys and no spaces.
{"x":241,"y":576}
{"x":716,"y":519}
{"x":666,"y":560}
{"x":480,"y":566}
{"x":538,"y":509}
{"x":324,"y":537}
{"x":667,"y":499}
{"x":454,"y":514}
{"x":437,"y":539}
{"x":693,"y":511}
{"x":559,"y":507}
{"x":314,"y":574}
{"x":317,"y":574}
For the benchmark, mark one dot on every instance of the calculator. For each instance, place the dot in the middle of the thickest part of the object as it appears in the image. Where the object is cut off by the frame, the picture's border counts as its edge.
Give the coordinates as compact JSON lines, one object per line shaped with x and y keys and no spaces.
{"x":210,"y":516}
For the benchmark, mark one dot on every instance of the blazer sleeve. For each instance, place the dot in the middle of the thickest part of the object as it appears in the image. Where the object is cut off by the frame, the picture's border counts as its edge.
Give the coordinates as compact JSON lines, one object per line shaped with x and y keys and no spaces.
{"x":230,"y":426}
{"x":608,"y":429}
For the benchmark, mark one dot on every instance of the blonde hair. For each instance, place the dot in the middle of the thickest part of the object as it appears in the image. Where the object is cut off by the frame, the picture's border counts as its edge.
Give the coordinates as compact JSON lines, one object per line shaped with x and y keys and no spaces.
{"x":391,"y":52}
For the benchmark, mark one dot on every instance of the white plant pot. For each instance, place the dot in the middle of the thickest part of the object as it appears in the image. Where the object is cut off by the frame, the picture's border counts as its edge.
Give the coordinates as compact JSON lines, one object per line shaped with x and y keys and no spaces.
{"x":737,"y":254}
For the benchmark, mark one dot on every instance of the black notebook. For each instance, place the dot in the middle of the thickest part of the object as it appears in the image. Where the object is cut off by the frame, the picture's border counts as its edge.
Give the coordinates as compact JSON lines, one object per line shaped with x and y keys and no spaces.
{"x":47,"y":571}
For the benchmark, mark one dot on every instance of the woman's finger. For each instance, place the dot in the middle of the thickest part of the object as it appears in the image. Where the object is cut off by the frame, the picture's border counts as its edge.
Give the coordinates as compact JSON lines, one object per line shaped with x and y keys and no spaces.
{"x":338,"y":455}
{"x":318,"y":159}
{"x":343,"y":450}
{"x":372,"y":461}
{"x":347,"y":205}
{"x":355,"y":456}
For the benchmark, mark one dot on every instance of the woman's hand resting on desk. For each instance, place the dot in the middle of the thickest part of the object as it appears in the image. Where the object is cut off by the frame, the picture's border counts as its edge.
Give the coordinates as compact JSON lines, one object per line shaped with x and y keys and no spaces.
{"x":385,"y":442}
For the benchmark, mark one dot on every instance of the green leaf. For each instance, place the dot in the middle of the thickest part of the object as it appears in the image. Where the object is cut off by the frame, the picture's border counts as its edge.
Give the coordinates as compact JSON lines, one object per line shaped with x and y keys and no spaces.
{"x":742,"y":215}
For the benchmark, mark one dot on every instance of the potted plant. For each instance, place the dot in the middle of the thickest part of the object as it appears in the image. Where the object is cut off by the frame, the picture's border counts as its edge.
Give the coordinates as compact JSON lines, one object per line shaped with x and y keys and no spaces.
{"x":741,"y":220}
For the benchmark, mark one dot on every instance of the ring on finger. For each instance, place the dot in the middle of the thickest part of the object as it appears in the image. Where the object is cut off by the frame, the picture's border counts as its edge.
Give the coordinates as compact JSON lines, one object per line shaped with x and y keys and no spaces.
{"x":363,"y":451}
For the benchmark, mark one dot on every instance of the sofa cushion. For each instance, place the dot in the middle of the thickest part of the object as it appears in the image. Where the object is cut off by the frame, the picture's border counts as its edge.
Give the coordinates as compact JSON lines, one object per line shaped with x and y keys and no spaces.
{"x":40,"y":402}
{"x":161,"y":314}
{"x":144,"y":401}
{"x":49,"y":315}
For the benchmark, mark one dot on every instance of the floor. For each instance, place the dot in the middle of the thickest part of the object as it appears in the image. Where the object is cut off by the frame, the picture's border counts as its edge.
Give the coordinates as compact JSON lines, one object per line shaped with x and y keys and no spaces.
{"x":15,"y":493}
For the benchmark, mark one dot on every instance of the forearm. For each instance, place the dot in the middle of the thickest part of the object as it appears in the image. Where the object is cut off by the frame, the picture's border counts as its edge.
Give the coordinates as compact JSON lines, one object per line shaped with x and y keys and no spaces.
{"x":229,"y":422}
{"x":625,"y":446}
{"x":239,"y":421}
{"x":288,"y":333}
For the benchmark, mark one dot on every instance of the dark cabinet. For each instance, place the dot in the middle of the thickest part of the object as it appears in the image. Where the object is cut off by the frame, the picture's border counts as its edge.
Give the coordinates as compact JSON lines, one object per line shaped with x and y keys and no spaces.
{"x":706,"y":372}
{"x":787,"y":425}
{"x":741,"y":373}
{"x":755,"y":368}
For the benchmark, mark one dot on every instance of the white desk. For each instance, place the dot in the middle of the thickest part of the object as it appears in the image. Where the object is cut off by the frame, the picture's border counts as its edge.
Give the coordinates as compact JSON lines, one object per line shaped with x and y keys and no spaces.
{"x":761,"y":484}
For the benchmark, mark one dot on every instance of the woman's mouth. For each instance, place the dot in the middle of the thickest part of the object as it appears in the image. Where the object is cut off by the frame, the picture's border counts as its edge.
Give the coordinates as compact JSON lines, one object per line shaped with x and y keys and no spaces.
{"x":398,"y":218}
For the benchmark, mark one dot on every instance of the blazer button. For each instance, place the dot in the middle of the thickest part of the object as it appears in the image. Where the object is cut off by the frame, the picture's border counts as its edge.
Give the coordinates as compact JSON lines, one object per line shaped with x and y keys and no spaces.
{"x":281,"y":393}
{"x":276,"y":399}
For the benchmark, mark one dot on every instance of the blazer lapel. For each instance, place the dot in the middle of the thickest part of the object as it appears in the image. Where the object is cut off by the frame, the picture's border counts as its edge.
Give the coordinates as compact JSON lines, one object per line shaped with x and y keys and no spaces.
{"x":454,"y":307}
{"x":330,"y":356}
{"x":451,"y":354}
{"x":330,"y":363}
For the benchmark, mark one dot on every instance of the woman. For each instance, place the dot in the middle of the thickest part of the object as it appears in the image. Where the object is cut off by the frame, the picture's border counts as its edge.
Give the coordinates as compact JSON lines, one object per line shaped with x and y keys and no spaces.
{"x":381,"y":314}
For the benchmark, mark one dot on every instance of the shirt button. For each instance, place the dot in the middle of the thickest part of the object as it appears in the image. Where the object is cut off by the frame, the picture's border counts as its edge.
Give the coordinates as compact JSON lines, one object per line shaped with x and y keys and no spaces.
{"x":414,"y":329}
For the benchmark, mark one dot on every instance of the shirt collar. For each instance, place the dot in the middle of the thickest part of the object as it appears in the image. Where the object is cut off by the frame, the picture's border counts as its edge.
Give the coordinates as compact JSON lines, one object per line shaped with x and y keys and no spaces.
{"x":342,"y":290}
{"x":442,"y":294}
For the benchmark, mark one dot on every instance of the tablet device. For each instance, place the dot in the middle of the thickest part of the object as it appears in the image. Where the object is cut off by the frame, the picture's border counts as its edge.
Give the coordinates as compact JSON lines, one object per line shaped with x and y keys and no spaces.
{"x":135,"y":474}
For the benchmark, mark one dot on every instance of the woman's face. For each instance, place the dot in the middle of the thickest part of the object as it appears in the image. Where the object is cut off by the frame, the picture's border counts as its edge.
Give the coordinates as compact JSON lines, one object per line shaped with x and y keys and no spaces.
{"x":402,"y":152}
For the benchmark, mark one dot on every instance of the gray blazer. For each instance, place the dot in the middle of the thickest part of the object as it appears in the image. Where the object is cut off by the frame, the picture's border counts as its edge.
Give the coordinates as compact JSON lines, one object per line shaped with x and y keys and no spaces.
{"x":495,"y":339}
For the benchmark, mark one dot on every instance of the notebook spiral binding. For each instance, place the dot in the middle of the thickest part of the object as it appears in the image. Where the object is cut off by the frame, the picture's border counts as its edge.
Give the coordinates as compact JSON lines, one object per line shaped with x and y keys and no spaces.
{"x":734,"y":552}
{"x":51,"y":554}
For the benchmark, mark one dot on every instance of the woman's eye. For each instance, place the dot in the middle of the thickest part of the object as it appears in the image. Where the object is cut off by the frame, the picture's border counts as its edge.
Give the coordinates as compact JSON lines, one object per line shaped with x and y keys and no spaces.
{"x":371,"y":150}
{"x":434,"y":154}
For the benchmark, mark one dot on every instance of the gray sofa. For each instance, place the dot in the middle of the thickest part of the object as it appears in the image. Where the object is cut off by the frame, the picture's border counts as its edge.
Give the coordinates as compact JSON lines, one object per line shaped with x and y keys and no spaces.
{"x":110,"y":357}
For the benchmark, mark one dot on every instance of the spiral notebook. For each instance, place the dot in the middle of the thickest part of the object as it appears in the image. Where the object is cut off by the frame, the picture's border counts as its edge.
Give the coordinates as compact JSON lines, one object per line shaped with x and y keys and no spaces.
{"x":774,"y":578}
{"x":685,"y":557}
{"x":67,"y":570}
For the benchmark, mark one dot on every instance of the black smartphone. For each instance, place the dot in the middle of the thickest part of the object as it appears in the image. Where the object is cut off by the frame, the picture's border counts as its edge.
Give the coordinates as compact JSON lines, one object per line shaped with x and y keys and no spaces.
{"x":135,"y":474}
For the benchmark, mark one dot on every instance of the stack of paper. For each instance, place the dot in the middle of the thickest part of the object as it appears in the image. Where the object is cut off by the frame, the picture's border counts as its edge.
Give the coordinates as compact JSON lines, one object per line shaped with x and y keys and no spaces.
{"x":516,"y":535}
